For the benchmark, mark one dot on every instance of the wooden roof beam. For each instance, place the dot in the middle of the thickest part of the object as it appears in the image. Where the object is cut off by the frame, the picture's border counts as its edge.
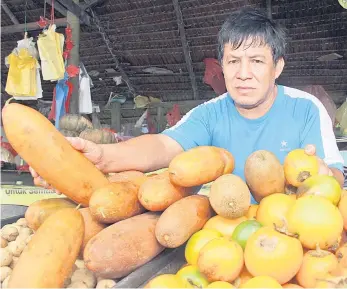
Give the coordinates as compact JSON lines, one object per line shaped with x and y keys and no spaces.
{"x":76,"y":10}
{"x":9,"y":13}
{"x":32,"y":26}
{"x":108,"y":43}
{"x":269,"y":8}
{"x":91,"y":3}
{"x":185,"y":47}
{"x":62,"y":10}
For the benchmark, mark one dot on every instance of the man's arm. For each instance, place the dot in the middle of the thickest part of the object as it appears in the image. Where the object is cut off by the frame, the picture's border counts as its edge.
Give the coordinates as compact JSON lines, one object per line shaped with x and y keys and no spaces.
{"x":144,"y":153}
{"x":338,"y":175}
{"x":318,"y":131}
{"x":151,"y":152}
{"x":148,"y":152}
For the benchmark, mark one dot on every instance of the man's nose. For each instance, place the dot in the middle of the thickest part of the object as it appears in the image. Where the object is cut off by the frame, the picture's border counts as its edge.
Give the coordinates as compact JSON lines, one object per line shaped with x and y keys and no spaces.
{"x":244,"y":70}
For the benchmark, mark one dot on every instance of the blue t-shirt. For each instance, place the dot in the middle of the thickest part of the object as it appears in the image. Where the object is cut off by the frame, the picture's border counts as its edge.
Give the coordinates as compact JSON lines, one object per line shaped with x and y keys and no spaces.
{"x":295,"y":119}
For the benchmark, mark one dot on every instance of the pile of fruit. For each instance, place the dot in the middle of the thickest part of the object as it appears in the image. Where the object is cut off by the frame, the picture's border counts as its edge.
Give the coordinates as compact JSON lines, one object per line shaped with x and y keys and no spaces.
{"x":295,"y":236}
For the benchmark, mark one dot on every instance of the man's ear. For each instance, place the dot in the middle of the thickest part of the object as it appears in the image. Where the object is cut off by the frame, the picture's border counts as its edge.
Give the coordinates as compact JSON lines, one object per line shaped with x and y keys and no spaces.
{"x":279,"y":67}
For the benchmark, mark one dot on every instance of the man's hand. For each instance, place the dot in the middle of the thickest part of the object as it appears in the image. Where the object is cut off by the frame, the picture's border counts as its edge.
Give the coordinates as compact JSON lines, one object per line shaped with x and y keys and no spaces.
{"x":91,"y":151}
{"x":323,"y":167}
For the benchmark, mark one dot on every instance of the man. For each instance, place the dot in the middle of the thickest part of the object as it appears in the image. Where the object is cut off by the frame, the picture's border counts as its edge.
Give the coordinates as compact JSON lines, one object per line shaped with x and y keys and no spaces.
{"x":254,"y":114}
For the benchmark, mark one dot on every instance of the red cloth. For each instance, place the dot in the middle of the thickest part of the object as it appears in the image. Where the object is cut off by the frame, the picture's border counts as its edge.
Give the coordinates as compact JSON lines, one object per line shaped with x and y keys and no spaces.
{"x":8,"y":146}
{"x":214,"y":75}
{"x":67,"y":103}
{"x":24,"y":168}
{"x":150,"y":124}
{"x":173,"y":115}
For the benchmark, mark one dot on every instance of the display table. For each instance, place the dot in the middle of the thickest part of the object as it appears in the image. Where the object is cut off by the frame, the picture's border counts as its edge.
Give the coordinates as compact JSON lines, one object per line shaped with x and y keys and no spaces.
{"x":18,"y":192}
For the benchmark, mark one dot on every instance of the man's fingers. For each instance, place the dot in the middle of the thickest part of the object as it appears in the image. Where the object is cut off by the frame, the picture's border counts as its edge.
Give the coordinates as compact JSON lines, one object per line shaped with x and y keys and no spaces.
{"x":80,"y":144}
{"x":77,"y":143}
{"x":310,"y":150}
{"x":33,"y":173}
{"x":40,"y":182}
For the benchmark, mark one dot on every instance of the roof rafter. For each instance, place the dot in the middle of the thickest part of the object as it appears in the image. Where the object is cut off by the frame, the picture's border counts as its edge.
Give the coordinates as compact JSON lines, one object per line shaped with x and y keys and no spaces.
{"x":75,"y":9}
{"x":62,"y":10}
{"x":60,"y":22}
{"x":185,"y":47}
{"x":269,"y":8}
{"x":9,"y":13}
{"x":106,"y":38}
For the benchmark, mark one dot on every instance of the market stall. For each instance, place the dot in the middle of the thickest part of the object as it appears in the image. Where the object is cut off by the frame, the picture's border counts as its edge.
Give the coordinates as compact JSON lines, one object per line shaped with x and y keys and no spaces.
{"x":108,"y":71}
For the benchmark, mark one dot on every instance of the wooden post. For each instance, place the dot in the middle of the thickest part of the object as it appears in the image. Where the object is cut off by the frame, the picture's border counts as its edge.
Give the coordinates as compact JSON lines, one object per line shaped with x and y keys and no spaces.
{"x":269,"y":8}
{"x":74,"y":58}
{"x":185,"y":47}
{"x":116,"y":116}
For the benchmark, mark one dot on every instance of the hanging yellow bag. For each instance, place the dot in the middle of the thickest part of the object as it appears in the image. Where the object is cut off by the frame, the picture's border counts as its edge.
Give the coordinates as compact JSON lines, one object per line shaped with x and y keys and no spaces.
{"x":50,"y":45}
{"x":21,"y":79}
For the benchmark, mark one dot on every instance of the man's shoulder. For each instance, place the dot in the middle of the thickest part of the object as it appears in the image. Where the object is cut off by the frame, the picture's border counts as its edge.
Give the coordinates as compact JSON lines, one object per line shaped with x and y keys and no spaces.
{"x":214,"y":106}
{"x":216,"y":101}
{"x":294,"y":95}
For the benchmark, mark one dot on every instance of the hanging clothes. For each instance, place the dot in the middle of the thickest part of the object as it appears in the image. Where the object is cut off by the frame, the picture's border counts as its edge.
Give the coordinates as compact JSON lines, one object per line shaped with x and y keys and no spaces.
{"x":51,"y":45}
{"x":23,"y":79}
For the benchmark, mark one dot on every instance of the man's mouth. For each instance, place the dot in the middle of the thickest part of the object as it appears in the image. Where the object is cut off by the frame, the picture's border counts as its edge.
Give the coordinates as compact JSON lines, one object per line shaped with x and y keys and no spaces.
{"x":244,"y":89}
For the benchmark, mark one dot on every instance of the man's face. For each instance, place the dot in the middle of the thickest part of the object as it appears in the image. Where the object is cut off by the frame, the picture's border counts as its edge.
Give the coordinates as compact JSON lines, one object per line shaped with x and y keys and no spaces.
{"x":250,"y":73}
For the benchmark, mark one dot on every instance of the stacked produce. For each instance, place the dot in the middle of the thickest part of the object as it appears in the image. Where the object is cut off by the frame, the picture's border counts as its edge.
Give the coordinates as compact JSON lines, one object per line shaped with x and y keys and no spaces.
{"x":74,"y":125}
{"x":111,"y":225}
{"x":288,"y":240}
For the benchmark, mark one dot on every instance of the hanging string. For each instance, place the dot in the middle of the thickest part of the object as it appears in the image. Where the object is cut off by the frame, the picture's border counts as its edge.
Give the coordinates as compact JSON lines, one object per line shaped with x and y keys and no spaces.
{"x":44,"y":8}
{"x":25,"y":20}
{"x":52,"y":13}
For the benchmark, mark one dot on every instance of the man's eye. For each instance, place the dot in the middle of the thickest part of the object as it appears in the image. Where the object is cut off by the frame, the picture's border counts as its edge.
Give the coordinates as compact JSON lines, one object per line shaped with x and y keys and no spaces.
{"x":232,"y":61}
{"x":257,"y":61}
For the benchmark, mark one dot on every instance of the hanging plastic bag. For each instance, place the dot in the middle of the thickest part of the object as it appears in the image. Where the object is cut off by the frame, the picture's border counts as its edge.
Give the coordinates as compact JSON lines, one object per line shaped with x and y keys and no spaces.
{"x":50,"y":45}
{"x":174,"y":115}
{"x":319,"y":92}
{"x":85,"y":98}
{"x":52,"y":112}
{"x":61,"y":94}
{"x":214,"y":75}
{"x":341,"y":119}
{"x":23,"y":80}
{"x":30,"y":46}
{"x":38,"y":89}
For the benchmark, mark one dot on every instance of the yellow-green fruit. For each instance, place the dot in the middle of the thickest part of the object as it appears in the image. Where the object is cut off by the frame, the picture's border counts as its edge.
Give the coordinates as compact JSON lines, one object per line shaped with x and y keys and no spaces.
{"x":166,"y":281}
{"x":321,"y":185}
{"x":197,"y":241}
{"x":220,"y":284}
{"x":316,"y":221}
{"x":261,"y":282}
{"x":193,"y":276}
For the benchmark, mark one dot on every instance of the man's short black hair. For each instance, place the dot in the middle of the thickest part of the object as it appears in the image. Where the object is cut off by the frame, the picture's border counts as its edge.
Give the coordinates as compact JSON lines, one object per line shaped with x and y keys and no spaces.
{"x":251,"y":23}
